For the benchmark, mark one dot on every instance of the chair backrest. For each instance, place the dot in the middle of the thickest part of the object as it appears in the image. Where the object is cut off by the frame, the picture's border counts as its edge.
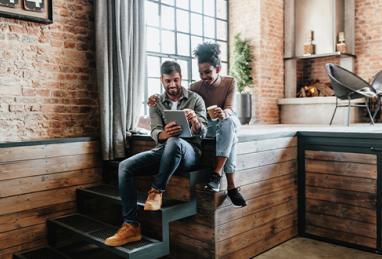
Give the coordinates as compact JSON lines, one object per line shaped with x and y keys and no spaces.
{"x":341,"y":91}
{"x":344,"y":82}
{"x":377,"y":82}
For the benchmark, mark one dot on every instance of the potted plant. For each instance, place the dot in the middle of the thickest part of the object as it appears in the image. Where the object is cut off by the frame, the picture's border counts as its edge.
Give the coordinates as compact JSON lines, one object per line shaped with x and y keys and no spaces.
{"x":241,"y":70}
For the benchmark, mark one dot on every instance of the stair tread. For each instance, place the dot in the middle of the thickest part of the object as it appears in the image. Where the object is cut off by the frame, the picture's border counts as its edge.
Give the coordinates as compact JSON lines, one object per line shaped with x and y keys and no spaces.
{"x":98,"y":231}
{"x":112,"y":192}
{"x":41,"y":253}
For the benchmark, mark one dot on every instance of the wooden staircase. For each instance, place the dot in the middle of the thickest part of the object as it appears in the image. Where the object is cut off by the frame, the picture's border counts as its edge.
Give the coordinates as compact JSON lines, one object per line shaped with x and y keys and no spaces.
{"x":98,"y":216}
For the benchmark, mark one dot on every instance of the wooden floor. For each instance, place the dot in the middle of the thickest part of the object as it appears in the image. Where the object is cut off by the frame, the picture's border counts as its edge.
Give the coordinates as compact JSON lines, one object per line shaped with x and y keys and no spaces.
{"x":302,"y":248}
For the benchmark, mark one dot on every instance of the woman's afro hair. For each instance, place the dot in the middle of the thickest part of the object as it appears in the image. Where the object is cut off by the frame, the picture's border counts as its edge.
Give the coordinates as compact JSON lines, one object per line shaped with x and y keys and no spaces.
{"x":208,"y":52}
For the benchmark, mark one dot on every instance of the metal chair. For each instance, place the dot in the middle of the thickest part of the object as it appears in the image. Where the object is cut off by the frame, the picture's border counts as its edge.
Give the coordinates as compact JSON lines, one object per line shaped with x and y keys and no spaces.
{"x":376,"y":84}
{"x":349,"y":86}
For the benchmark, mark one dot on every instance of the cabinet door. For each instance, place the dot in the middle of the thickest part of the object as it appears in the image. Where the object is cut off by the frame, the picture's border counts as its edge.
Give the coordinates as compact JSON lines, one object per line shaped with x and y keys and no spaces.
{"x":340,"y":196}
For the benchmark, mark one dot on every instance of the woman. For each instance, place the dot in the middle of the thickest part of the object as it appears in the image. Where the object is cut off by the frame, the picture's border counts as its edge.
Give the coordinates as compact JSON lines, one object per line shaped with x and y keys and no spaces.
{"x":220,"y":91}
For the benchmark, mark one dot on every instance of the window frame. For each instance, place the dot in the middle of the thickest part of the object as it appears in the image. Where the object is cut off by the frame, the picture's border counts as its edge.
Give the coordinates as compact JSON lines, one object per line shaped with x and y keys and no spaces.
{"x":175,"y":56}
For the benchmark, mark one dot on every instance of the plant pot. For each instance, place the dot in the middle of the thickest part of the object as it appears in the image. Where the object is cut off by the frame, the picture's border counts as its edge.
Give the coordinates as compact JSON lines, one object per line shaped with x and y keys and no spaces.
{"x":244,"y":107}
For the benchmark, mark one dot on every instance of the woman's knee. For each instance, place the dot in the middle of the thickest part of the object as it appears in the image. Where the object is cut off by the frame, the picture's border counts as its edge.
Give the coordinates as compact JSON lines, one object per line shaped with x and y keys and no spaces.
{"x":227,"y":127}
{"x":228,"y":123}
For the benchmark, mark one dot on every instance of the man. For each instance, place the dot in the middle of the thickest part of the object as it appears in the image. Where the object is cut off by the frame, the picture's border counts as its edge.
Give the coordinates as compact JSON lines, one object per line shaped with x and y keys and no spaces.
{"x":218,"y":91}
{"x":170,"y":155}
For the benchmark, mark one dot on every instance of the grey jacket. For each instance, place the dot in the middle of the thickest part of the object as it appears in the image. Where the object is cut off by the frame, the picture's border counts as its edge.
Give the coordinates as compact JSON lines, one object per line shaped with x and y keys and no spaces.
{"x":188,"y":100}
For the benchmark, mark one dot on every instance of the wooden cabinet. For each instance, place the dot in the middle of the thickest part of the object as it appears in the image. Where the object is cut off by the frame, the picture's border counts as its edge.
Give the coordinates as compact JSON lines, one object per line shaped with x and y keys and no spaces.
{"x":339,"y":188}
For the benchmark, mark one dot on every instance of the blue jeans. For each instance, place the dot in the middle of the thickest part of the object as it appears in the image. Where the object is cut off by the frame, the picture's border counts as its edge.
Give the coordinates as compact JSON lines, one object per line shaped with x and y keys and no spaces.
{"x":225,"y":132}
{"x":162,"y":162}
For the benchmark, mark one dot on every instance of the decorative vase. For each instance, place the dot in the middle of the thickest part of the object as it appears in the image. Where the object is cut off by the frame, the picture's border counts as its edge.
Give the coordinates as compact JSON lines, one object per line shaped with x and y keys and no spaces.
{"x":244,"y":107}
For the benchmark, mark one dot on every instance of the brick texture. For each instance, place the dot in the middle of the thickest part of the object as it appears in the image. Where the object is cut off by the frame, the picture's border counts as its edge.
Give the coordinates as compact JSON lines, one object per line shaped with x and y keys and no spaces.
{"x":262,"y":22}
{"x":314,"y":69}
{"x":368,"y":37}
{"x":368,"y":45}
{"x":47,"y":82}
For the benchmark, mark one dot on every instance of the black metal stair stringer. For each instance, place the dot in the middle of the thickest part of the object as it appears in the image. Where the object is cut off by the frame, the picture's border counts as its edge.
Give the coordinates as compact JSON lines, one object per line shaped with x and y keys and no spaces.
{"x":93,"y":230}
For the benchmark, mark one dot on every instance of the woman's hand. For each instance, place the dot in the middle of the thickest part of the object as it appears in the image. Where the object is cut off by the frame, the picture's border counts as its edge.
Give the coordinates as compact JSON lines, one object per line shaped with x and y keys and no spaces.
{"x":219,"y":113}
{"x":152,"y":100}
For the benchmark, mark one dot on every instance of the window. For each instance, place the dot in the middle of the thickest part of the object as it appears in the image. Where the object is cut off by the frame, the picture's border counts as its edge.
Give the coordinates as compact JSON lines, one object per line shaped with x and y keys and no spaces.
{"x":173,"y":30}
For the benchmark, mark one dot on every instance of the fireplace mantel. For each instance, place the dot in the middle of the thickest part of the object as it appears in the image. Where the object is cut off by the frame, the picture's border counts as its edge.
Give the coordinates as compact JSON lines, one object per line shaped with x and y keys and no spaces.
{"x":316,"y":110}
{"x":324,"y":55}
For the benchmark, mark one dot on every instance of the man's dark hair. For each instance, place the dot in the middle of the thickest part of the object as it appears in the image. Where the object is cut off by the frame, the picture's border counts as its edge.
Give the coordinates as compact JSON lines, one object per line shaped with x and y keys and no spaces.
{"x":168,"y":67}
{"x":208,"y":52}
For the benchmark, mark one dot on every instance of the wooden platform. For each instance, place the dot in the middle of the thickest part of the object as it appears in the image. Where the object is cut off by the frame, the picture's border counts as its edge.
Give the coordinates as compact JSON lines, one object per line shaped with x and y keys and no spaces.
{"x":320,"y":182}
{"x":267,"y":171}
{"x":37,"y":182}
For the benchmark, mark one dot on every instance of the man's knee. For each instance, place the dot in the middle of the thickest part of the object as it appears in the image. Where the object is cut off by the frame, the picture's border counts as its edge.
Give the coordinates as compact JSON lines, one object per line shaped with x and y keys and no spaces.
{"x":125,"y":169}
{"x":174,"y":144}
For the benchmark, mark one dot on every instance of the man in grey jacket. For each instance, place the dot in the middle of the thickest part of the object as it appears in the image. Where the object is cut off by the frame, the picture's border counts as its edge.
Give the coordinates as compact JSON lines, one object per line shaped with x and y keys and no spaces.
{"x":170,"y":155}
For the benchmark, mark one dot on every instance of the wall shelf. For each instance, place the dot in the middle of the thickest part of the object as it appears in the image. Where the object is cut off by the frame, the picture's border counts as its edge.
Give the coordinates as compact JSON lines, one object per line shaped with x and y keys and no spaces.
{"x":334,"y":54}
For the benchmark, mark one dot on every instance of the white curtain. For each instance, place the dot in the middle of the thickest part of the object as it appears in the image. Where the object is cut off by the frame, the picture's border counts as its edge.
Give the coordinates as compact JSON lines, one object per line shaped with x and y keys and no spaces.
{"x":120,"y":56}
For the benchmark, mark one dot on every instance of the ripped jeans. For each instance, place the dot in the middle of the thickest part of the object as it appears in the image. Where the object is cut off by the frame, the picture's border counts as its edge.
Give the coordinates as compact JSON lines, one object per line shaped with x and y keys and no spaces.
{"x":226,"y":132}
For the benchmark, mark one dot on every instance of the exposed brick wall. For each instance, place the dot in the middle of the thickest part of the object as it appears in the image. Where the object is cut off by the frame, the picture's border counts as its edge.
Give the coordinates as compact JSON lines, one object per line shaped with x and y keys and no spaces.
{"x":368,"y":44}
{"x":314,"y":69}
{"x":47,"y":75}
{"x":262,"y":22}
{"x":368,"y":37}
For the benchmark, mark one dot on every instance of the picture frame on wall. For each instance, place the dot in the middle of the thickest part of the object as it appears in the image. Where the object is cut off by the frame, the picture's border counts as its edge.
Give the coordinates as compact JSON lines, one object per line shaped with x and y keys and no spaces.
{"x":30,"y":10}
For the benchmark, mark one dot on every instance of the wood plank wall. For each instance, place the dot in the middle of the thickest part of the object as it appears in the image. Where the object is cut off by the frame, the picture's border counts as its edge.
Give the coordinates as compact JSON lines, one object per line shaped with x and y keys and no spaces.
{"x":341,"y":196}
{"x":38,"y":182}
{"x":267,"y":175}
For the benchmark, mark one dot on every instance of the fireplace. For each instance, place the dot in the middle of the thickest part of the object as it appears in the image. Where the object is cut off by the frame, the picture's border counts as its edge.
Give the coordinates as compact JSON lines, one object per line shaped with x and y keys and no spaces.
{"x":314,"y":88}
{"x":309,"y":96}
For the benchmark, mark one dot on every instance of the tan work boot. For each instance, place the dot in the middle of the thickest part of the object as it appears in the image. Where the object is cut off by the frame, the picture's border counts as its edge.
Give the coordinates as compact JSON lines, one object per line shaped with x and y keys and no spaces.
{"x":154,"y":200}
{"x":126,"y":234}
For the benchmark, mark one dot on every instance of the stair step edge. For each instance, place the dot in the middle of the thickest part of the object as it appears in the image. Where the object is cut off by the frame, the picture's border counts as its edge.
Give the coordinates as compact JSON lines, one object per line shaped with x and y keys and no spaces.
{"x":168,"y":204}
{"x":104,"y":229}
{"x":47,"y":249}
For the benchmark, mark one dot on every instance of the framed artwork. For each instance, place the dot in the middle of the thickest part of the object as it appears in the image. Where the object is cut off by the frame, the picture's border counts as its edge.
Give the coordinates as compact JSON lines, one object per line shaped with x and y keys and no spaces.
{"x":31,"y":10}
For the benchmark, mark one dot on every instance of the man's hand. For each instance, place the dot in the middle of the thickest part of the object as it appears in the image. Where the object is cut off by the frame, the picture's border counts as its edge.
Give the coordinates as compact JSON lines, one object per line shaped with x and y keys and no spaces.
{"x":191,"y":116}
{"x":170,"y":130}
{"x":152,"y":100}
{"x":193,"y":119}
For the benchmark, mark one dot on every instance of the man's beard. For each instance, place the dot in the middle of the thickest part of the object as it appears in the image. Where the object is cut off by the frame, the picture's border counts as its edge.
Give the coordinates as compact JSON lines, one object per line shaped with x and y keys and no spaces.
{"x":173,"y":92}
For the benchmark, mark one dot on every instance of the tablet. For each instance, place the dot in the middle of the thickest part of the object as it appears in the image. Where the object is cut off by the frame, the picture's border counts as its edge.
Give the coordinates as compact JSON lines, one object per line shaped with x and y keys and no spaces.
{"x":180,"y":118}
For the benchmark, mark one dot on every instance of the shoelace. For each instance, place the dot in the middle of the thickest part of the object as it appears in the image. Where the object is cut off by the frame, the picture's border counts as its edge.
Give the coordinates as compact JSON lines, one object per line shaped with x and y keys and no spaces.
{"x":215,"y":178}
{"x":235,"y":191}
{"x":123,"y":229}
{"x":152,"y":193}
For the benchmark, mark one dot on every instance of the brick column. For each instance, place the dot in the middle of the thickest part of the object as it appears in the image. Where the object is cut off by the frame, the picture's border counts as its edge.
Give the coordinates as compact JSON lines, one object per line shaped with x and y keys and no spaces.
{"x":261,"y":21}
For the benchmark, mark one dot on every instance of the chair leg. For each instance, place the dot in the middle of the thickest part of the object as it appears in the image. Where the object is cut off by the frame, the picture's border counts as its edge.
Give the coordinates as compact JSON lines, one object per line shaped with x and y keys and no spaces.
{"x":348,"y":115}
{"x":378,"y":108}
{"x":368,"y":111}
{"x":334,"y":113}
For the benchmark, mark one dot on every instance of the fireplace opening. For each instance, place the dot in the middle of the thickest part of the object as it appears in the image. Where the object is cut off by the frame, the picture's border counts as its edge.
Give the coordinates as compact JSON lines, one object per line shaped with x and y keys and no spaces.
{"x":314,"y":88}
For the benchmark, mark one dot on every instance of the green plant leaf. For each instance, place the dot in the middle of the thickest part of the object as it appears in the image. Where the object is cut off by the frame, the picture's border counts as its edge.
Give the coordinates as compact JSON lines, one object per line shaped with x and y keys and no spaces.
{"x":241,"y":68}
